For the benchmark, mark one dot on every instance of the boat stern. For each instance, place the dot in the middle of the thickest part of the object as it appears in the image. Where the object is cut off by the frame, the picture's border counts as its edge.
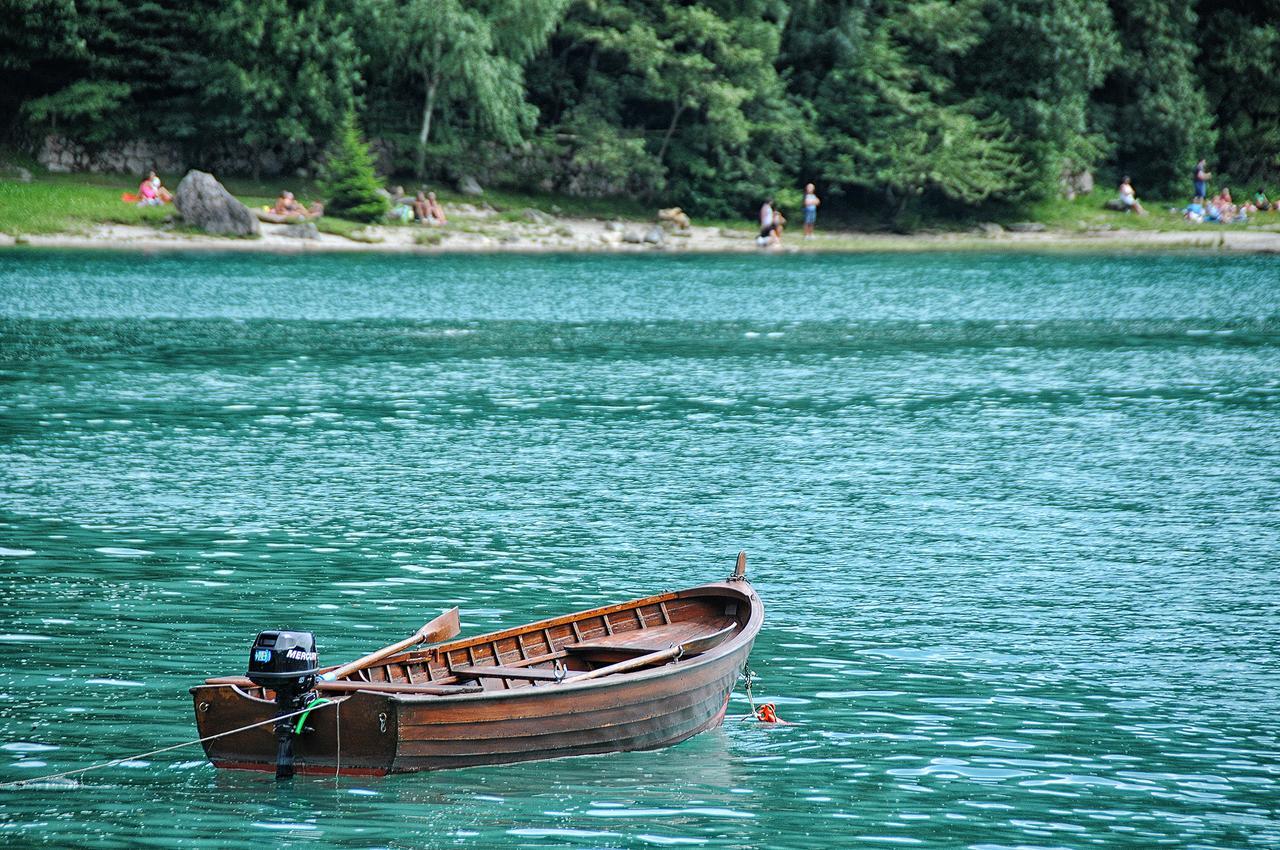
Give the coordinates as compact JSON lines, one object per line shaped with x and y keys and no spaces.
{"x":352,"y":735}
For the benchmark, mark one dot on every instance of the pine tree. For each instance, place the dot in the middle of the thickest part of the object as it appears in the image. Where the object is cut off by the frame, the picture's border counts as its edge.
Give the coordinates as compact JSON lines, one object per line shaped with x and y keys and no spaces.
{"x":349,"y":181}
{"x":889,"y":118}
{"x":1240,"y":52}
{"x":1153,"y":105}
{"x":282,"y":75}
{"x":691,"y":92}
{"x":1036,"y":66}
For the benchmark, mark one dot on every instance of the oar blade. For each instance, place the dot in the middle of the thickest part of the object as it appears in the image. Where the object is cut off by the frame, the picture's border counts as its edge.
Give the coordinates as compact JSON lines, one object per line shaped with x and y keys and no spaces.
{"x":708,"y":642}
{"x":444,"y":627}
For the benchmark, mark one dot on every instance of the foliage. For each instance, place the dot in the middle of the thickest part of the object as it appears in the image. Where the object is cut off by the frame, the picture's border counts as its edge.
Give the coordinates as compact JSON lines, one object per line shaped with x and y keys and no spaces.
{"x":898,"y":125}
{"x":897,"y":105}
{"x":84,"y":100}
{"x":348,"y":180}
{"x":1153,"y":104}
{"x":696,"y":82}
{"x":467,"y":57}
{"x":286,"y":73}
{"x":1036,"y":65}
{"x":1238,"y":62}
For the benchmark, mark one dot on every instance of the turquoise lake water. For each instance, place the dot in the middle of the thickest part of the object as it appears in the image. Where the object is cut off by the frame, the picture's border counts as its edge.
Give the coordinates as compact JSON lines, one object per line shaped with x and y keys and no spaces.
{"x":1015,"y":520}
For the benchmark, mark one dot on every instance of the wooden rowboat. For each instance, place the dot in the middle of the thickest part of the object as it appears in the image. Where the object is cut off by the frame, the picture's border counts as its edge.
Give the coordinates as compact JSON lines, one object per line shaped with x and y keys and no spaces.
{"x":637,"y":675}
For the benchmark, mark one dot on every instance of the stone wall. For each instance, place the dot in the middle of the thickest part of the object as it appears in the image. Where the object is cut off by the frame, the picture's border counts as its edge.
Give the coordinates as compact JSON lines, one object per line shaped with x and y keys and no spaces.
{"x":137,"y":157}
{"x":59,"y":154}
{"x":558,"y":165}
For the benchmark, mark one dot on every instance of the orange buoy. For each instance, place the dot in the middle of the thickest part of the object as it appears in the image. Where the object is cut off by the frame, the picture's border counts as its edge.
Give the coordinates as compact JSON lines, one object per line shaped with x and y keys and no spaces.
{"x":767,"y":713}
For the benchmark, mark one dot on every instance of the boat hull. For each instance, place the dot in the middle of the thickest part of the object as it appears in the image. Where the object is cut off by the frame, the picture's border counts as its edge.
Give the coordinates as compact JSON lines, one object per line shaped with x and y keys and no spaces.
{"x":378,"y":733}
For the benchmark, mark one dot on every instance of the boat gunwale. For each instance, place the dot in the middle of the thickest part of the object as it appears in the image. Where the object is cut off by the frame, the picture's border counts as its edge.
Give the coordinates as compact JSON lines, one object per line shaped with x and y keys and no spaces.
{"x":745,"y":635}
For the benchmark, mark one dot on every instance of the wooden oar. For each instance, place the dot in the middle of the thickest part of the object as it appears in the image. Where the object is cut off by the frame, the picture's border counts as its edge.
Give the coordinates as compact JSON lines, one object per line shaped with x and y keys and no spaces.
{"x":441,"y":628}
{"x":679,"y":650}
{"x":352,"y":687}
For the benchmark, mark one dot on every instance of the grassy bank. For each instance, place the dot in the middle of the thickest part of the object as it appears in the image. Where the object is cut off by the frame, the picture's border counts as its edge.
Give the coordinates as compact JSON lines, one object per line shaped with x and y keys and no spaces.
{"x":72,"y":203}
{"x":75,"y":203}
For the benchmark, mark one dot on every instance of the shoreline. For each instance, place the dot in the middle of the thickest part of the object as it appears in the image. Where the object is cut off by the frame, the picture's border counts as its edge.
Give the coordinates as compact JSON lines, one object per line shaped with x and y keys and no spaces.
{"x":477,"y":232}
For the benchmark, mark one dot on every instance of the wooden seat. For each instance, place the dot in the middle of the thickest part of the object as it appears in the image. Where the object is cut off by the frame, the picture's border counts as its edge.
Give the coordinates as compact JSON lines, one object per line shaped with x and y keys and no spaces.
{"x":533,"y":674}
{"x":643,"y":641}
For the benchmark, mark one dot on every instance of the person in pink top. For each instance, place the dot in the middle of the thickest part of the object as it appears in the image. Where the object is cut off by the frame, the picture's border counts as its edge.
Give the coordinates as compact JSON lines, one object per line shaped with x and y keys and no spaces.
{"x":147,"y":194}
{"x":152,"y":193}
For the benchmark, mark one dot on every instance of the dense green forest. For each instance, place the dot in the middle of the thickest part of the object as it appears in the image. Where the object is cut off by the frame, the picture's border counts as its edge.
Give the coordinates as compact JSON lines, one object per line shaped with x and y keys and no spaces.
{"x":885,"y":104}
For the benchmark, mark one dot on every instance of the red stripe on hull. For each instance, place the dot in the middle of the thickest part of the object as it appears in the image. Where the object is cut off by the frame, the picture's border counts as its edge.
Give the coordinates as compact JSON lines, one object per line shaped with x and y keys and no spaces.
{"x":309,"y":769}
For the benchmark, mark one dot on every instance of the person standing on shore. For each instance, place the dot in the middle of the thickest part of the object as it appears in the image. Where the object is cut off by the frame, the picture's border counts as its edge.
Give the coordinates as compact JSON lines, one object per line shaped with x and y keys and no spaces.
{"x":811,"y":202}
{"x":1201,"y":179}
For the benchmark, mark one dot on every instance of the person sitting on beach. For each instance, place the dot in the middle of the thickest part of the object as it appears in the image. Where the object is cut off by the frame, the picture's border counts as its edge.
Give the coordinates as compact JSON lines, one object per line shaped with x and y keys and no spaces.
{"x":1227,"y":209}
{"x":401,"y":207}
{"x":772,"y":223}
{"x":766,"y":221}
{"x":286,"y":204}
{"x":147,"y":193}
{"x":435,"y":211}
{"x":1194,"y":211}
{"x":1212,"y":214}
{"x":1262,"y":202}
{"x":1129,"y":198}
{"x":427,"y":210}
{"x":163,"y":194}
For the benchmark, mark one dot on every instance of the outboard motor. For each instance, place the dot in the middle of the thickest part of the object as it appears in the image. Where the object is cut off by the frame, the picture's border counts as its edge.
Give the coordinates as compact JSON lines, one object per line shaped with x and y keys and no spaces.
{"x":285,"y":662}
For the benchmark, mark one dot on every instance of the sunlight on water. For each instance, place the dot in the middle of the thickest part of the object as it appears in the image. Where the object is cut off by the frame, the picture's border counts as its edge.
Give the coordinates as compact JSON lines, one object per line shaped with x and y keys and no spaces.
{"x":1013,"y":519}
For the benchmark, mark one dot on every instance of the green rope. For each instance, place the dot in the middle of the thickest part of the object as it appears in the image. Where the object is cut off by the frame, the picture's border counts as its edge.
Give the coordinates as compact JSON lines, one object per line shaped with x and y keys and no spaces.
{"x":306,"y":712}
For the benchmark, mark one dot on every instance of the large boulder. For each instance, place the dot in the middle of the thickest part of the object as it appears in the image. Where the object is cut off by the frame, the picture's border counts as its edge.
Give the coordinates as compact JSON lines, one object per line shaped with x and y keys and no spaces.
{"x":16,"y":173}
{"x":468,"y":185}
{"x":206,"y":204}
{"x":302,"y":230}
{"x":674,"y":217}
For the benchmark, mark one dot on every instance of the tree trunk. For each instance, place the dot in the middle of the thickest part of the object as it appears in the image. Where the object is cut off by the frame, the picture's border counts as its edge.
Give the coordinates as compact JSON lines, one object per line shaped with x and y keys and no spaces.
{"x":427,"y":109}
{"x":671,"y":129}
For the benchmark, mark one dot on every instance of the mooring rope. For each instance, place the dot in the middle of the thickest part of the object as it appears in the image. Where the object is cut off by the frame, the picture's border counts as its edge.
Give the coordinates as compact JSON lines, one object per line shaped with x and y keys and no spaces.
{"x":309,"y":708}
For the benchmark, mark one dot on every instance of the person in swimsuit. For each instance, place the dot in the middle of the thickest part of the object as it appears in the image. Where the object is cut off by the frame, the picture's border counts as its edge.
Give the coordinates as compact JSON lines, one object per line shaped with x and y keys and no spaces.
{"x":286,"y":204}
{"x":435,"y":211}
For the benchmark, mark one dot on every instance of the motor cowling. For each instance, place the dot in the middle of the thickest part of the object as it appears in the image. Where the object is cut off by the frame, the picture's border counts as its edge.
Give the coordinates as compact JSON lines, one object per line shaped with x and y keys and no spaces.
{"x":284,"y":661}
{"x":287,"y":663}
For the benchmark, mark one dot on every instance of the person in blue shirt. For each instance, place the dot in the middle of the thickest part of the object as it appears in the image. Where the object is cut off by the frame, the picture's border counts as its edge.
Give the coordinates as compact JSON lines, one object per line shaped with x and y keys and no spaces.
{"x":1194,"y":211}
